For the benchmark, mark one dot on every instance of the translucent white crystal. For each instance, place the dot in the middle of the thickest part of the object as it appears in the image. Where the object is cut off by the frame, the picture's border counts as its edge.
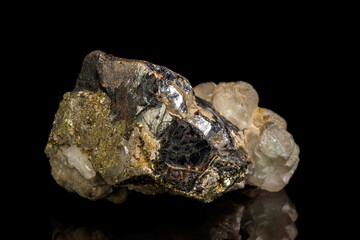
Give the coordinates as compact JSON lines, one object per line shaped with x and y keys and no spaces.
{"x":272,"y":150}
{"x":205,"y":91}
{"x":72,"y":180}
{"x":77,"y":159}
{"x":236,"y":101}
{"x":276,"y":142}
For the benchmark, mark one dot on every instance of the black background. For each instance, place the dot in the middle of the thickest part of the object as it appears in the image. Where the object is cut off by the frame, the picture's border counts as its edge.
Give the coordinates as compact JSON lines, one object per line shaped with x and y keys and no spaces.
{"x":290,"y":67}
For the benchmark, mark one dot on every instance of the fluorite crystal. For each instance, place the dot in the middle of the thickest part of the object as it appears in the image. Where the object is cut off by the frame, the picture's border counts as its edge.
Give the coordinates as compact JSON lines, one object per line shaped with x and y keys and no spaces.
{"x":130,"y":125}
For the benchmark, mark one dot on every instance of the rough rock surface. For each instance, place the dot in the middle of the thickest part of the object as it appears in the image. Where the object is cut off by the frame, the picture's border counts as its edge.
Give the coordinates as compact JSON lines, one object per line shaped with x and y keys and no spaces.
{"x":131,"y":125}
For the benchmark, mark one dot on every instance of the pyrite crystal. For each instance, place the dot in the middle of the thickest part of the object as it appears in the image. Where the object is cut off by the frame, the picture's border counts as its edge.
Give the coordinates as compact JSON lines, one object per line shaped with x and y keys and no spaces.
{"x":130,"y":125}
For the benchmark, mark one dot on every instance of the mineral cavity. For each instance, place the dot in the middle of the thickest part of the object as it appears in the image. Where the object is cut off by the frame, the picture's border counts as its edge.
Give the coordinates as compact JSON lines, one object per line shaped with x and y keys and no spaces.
{"x":130,"y":125}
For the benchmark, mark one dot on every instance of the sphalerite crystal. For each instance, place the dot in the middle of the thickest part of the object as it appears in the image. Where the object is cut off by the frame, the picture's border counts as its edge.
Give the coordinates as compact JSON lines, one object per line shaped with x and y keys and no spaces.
{"x":130,"y":125}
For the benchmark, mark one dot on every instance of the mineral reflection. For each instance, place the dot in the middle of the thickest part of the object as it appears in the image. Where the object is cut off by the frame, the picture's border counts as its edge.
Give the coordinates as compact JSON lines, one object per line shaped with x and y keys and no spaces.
{"x":130,"y":125}
{"x":260,"y":215}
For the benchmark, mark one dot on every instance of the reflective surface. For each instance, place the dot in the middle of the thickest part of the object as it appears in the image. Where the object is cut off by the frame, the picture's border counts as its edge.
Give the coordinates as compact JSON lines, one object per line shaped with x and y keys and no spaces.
{"x":253,"y":214}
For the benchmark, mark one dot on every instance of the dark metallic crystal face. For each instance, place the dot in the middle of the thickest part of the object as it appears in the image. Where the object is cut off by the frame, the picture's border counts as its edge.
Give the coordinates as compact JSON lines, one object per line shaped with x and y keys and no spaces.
{"x":184,"y":147}
{"x":184,"y":155}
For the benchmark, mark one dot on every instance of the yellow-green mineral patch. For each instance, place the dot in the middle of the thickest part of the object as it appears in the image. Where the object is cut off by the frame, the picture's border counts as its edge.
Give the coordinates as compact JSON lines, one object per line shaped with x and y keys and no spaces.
{"x":83,"y":119}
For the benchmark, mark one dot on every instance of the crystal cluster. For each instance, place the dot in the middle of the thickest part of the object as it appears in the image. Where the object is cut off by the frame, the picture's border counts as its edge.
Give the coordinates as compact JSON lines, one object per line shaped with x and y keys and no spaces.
{"x":273,"y":154}
{"x":130,"y":125}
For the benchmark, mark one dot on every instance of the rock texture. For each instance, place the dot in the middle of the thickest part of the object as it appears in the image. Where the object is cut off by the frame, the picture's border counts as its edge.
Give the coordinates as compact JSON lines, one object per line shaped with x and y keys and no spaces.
{"x":131,"y":125}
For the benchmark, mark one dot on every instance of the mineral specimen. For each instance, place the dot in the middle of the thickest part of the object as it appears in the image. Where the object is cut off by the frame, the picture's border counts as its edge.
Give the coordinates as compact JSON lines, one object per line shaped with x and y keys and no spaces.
{"x":131,"y":125}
